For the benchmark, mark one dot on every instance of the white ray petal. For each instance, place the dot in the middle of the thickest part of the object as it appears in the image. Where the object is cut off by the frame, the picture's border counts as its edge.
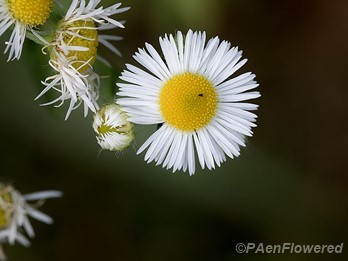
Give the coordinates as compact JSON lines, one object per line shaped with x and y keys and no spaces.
{"x":34,"y":213}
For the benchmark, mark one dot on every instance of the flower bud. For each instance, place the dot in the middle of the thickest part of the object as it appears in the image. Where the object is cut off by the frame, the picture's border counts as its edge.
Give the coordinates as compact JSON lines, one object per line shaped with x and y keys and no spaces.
{"x":114,"y":132}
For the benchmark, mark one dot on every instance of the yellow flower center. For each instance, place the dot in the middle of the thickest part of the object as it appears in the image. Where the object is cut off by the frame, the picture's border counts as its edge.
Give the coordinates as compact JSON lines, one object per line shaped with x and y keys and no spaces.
{"x":81,"y":33}
{"x":188,"y":101}
{"x":5,"y":208}
{"x":31,"y":12}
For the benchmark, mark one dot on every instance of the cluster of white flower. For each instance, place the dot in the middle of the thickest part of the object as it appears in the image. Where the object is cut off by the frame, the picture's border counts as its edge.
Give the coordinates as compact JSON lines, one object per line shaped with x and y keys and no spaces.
{"x":15,"y":212}
{"x":72,"y":47}
{"x":188,"y":89}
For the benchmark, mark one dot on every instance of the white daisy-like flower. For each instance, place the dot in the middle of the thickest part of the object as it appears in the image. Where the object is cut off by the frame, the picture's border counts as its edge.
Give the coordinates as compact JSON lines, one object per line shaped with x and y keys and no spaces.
{"x":15,"y":212}
{"x":22,"y":15}
{"x":73,"y":52}
{"x":113,"y":131}
{"x":190,"y":93}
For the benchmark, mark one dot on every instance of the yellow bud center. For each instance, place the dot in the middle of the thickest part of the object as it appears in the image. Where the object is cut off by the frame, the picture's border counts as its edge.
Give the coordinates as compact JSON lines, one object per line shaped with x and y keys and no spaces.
{"x":31,"y":12}
{"x":104,"y":128}
{"x":5,"y":207}
{"x":81,"y":33}
{"x":188,"y":101}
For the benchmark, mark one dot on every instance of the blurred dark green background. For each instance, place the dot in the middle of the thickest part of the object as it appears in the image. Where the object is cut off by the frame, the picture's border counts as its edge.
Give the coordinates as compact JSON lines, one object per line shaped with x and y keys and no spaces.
{"x":289,"y":184}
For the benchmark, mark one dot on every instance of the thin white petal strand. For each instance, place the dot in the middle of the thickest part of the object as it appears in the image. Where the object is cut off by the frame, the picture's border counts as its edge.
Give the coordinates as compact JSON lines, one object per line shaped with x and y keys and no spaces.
{"x":104,"y":41}
{"x":175,"y":55}
{"x":71,"y":9}
{"x":173,"y":151}
{"x":185,"y":159}
{"x":154,"y":66}
{"x":215,"y":150}
{"x":150,"y":140}
{"x":233,"y":126}
{"x":200,"y":49}
{"x":229,"y":147}
{"x":228,"y":107}
{"x":239,"y":97}
{"x":237,"y":81}
{"x":14,"y":45}
{"x":208,"y":53}
{"x":199,"y":150}
{"x":238,"y":119}
{"x":215,"y":61}
{"x":34,"y":213}
{"x":181,"y":50}
{"x":27,"y":227}
{"x":5,"y":24}
{"x":137,"y":80}
{"x":157,"y":145}
{"x":22,"y":240}
{"x":231,"y":68}
{"x":43,"y":195}
{"x":231,"y":71}
{"x":179,"y":161}
{"x":12,"y":232}
{"x":154,"y":54}
{"x":227,"y":62}
{"x":208,"y":156}
{"x":170,"y":138}
{"x":230,"y":134}
{"x":243,"y":88}
{"x":192,"y":59}
{"x":244,"y":106}
{"x":155,"y":82}
{"x":191,"y":155}
{"x":187,"y":50}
